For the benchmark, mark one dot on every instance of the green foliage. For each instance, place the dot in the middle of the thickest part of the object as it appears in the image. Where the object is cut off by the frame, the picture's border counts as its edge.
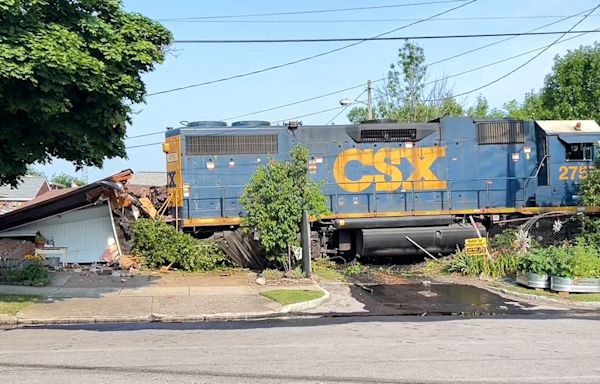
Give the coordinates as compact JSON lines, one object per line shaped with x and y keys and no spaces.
{"x":578,"y":260}
{"x":481,"y":110}
{"x":405,"y":96}
{"x":274,"y":200}
{"x":67,"y":180}
{"x":272,"y":274}
{"x":531,"y":108}
{"x":159,"y":243}
{"x":590,"y":187}
{"x":31,"y":171}
{"x":504,"y":240}
{"x":590,"y":232}
{"x":540,"y":261}
{"x":33,"y":273}
{"x":571,"y":90}
{"x":69,"y":73}
{"x":498,"y":266}
{"x":353,"y":269}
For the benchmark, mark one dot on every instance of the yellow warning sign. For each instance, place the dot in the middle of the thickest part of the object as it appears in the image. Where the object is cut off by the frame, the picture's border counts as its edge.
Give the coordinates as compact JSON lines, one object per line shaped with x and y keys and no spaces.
{"x":476,"y":246}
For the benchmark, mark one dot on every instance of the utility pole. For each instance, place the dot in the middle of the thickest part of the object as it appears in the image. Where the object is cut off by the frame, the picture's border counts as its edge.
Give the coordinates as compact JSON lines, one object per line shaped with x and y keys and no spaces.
{"x":369,"y":100}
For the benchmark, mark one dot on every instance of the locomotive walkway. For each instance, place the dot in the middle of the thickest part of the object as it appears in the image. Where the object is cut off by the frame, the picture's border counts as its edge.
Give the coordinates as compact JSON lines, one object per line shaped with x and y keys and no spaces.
{"x":89,"y":298}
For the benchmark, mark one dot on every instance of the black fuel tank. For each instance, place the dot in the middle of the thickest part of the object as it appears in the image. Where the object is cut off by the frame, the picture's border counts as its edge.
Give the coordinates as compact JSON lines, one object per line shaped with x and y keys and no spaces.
{"x":385,"y":242}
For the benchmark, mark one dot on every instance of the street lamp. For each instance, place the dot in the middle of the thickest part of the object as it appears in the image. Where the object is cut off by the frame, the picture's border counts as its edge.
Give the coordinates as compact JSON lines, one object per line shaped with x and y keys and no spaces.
{"x":369,"y":103}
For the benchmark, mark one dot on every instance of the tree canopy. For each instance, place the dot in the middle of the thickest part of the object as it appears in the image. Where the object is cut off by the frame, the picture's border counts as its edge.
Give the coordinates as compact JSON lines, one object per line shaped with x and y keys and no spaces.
{"x":67,"y":180}
{"x":571,"y":90}
{"x":407,"y":97}
{"x":69,"y":72}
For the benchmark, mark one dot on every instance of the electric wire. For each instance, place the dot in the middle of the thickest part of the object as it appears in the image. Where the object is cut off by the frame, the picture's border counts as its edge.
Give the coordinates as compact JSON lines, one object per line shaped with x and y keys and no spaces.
{"x":346,"y":107}
{"x":517,"y":68}
{"x":428,"y":65}
{"x":333,"y":21}
{"x":363,"y":39}
{"x":312,"y":11}
{"x":307,"y":58}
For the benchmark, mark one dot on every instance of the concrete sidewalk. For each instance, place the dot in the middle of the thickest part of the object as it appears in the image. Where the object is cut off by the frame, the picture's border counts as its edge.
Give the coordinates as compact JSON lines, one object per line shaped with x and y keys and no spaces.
{"x":81,"y":298}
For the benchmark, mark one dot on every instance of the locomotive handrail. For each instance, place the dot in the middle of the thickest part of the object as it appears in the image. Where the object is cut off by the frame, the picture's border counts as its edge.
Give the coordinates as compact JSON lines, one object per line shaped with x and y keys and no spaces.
{"x":334,"y":194}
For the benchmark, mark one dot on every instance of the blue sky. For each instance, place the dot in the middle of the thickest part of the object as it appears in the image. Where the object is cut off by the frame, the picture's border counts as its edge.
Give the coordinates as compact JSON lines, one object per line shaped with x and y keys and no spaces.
{"x":189,"y":64}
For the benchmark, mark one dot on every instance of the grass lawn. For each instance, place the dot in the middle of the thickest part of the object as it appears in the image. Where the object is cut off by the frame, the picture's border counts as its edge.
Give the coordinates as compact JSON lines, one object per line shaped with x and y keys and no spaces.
{"x":581,"y":297}
{"x":11,"y":304}
{"x":291,"y":296}
{"x":327,"y":273}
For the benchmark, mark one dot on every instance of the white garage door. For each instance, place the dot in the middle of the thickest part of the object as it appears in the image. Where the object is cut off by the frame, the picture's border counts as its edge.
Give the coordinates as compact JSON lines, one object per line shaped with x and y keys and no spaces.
{"x":87,"y":232}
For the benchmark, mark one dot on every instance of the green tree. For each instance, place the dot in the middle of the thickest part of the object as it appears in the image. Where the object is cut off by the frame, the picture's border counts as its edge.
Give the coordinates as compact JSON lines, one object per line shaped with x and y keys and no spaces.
{"x":274,"y":200}
{"x":481,"y":110}
{"x":69,"y":73}
{"x":67,"y":180}
{"x":405,"y":95}
{"x":532,"y":108}
{"x":31,"y":171}
{"x":572,"y":89}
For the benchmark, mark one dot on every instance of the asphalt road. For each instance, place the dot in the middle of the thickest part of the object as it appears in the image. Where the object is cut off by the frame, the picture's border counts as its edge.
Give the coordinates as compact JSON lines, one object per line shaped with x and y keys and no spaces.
{"x":334,"y":350}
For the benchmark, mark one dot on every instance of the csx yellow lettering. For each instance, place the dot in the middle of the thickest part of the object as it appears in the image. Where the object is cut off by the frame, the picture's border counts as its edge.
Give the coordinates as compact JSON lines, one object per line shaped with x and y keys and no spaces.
{"x":422,"y":159}
{"x":363,"y":156}
{"x":386,"y":162}
{"x":393,"y":173}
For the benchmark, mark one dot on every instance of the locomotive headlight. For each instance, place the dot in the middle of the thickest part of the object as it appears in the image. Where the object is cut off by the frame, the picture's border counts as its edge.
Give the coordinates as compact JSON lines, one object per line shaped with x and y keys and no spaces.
{"x":210,"y":164}
{"x":527,"y":151}
{"x":515,"y":156}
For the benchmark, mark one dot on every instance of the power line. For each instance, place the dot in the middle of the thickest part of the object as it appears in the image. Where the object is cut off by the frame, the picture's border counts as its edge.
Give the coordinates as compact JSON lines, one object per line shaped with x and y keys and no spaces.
{"x":142,"y":145}
{"x":363,"y":39}
{"x":312,"y":11}
{"x":332,"y":21}
{"x":300,"y":101}
{"x":428,"y":65}
{"x":308,"y":57}
{"x":346,"y":107}
{"x":520,"y":66}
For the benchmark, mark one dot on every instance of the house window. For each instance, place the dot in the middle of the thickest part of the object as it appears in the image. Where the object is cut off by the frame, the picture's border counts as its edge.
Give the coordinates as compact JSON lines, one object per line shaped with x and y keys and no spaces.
{"x":580,"y":151}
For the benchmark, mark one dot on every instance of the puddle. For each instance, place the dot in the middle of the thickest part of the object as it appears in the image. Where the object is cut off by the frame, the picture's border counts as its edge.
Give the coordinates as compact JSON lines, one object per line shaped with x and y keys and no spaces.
{"x":433,"y":299}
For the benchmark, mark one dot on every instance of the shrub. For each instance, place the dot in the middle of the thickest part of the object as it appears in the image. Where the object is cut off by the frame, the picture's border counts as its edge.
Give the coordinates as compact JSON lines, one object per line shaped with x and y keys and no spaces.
{"x":32,"y":272}
{"x":272,"y":274}
{"x":274,"y":200}
{"x":159,"y":243}
{"x":498,"y":266}
{"x":354,"y":268}
{"x":578,"y":260}
{"x":540,"y":261}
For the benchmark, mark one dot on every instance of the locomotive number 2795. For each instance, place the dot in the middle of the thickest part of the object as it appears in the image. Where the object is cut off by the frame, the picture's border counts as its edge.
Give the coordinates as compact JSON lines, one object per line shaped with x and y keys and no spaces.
{"x":573,"y":172}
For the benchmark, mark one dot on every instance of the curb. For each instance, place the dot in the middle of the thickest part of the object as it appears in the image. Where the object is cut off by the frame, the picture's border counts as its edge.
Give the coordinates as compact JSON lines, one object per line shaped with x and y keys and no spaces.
{"x":287,"y":311}
{"x":539,"y":298}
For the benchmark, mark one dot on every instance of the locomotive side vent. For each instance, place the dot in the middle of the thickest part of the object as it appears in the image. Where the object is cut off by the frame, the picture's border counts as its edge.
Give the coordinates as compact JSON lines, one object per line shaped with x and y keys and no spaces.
{"x":501,"y":132}
{"x":387,"y":135}
{"x":231,"y":145}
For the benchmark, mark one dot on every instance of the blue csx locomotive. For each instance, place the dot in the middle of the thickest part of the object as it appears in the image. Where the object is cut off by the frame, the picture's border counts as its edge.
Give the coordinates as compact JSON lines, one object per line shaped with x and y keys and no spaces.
{"x":389,"y":185}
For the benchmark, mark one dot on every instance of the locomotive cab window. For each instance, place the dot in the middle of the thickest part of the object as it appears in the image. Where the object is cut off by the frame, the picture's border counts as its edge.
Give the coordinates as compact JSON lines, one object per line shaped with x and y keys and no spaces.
{"x":579,"y":151}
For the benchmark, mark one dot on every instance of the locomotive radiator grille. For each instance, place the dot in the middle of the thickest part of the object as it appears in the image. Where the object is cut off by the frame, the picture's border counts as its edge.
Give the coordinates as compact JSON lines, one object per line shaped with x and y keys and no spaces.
{"x":501,"y":132}
{"x":387,"y":135}
{"x":228,"y":145}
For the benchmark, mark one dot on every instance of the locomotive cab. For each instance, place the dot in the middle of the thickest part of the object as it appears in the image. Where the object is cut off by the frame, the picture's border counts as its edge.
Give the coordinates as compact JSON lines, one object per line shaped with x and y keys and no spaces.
{"x":567,"y":150}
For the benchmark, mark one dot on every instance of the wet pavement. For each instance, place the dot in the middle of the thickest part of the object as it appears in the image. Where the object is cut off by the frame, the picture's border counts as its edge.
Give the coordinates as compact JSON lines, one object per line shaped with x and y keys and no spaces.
{"x":434,"y":299}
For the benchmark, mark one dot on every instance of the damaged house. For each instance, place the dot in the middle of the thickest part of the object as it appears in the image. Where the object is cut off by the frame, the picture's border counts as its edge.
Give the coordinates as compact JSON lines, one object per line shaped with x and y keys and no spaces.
{"x":81,"y":225}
